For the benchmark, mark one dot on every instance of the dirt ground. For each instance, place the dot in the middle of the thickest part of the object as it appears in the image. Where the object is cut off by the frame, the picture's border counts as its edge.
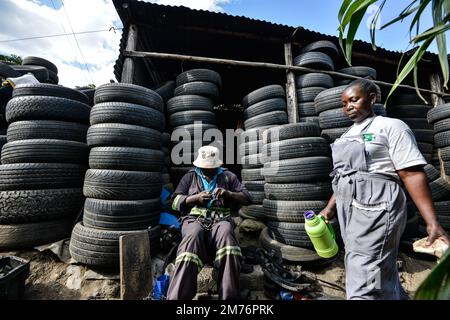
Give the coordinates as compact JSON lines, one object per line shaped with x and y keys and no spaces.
{"x":52,"y":279}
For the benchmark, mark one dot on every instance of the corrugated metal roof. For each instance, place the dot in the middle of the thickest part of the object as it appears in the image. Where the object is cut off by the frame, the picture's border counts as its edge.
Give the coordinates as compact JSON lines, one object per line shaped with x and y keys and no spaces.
{"x":177,"y":29}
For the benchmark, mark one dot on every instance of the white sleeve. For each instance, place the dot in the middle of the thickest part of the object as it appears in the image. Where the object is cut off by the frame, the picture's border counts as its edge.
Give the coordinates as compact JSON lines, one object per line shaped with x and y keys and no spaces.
{"x":404,"y":151}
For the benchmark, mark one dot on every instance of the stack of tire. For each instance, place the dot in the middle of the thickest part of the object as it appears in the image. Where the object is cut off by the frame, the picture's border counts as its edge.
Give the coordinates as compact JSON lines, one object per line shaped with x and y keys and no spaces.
{"x":320,"y":55}
{"x":43,"y":165}
{"x":296,"y":171}
{"x":411,"y":109}
{"x":123,"y":184}
{"x":191,"y":113}
{"x":332,"y":119}
{"x":439,"y":117}
{"x":43,"y":70}
{"x":263,"y":108}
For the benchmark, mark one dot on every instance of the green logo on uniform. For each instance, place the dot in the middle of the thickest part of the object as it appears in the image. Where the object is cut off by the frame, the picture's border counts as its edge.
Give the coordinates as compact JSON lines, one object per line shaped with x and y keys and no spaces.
{"x":368,"y":137}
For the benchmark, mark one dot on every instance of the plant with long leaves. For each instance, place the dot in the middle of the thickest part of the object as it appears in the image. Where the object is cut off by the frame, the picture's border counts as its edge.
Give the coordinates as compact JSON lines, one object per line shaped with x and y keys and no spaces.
{"x":352,"y":13}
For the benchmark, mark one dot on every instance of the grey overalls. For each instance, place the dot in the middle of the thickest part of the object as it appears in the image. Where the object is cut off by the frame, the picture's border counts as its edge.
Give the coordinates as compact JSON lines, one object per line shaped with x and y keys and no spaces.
{"x":371,"y":210}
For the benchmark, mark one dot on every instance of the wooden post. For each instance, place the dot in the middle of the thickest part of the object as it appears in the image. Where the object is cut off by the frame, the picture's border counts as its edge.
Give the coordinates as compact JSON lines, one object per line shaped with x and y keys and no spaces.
{"x":128,"y":65}
{"x":291,"y":94}
{"x":436,"y":85}
{"x":136,"y":281}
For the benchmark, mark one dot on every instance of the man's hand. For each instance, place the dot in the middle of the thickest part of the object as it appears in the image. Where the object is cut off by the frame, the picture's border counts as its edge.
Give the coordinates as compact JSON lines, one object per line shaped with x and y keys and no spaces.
{"x":435,"y":231}
{"x":199,"y":198}
{"x":328,"y":214}
{"x":221,"y":193}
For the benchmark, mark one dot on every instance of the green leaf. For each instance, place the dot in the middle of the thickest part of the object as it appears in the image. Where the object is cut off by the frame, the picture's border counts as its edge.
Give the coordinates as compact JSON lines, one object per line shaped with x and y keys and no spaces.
{"x":416,"y":85}
{"x":401,"y":16}
{"x":354,"y":8}
{"x":343,"y":8}
{"x":441,"y":40}
{"x":373,"y":25}
{"x":412,"y":62}
{"x":352,"y":29}
{"x":436,"y":285}
{"x":422,"y":6}
{"x":446,"y":8}
{"x":432,"y":32}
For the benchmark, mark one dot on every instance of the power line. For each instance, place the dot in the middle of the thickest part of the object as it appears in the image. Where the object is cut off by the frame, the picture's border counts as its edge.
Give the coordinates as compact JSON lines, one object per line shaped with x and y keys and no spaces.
{"x":59,"y":35}
{"x":76,"y":40}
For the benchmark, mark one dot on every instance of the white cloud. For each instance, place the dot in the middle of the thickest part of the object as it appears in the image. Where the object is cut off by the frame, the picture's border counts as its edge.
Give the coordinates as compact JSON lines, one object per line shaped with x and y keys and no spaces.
{"x":211,"y":5}
{"x":31,"y":18}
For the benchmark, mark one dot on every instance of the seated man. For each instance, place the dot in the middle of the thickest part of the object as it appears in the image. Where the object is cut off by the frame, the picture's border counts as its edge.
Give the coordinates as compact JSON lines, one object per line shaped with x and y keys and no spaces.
{"x":204,"y":196}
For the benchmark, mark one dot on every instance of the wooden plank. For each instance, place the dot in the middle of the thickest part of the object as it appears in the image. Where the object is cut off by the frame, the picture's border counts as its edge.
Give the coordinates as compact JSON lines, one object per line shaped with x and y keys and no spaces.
{"x":135,"y":266}
{"x":291,"y":93}
{"x":267,"y":65}
{"x":436,"y":85}
{"x":128,"y":65}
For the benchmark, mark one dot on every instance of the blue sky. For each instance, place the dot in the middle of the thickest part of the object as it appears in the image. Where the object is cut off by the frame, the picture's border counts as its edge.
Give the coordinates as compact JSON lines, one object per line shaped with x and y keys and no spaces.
{"x":91,"y":60}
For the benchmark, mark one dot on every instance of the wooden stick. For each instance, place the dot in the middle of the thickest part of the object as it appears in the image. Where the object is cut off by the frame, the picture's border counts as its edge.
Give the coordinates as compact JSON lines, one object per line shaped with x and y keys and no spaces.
{"x":291,"y":94}
{"x":171,"y":56}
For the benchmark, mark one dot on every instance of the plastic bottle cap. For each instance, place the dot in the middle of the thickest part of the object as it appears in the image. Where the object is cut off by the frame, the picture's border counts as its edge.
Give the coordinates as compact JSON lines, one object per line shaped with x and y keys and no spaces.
{"x":309,"y":214}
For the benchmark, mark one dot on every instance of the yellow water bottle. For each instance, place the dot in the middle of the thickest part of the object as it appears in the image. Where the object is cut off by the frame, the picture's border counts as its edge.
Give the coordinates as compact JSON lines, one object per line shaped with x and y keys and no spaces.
{"x":321,"y":235}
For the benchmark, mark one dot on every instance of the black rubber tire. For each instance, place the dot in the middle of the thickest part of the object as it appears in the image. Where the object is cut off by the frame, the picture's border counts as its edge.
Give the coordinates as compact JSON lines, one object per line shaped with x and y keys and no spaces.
{"x":286,"y":252}
{"x":411,"y":228}
{"x":252,"y":174}
{"x":291,"y":131}
{"x":298,"y":170}
{"x":46,"y":108}
{"x":44,"y":151}
{"x":314,"y":60}
{"x":134,"y":222}
{"x":30,"y":60}
{"x":417,"y":123}
{"x":267,"y":119}
{"x":122,"y":185}
{"x":100,"y":248}
{"x":445,"y":153}
{"x":314,"y":80}
{"x":293,"y":234}
{"x":252,"y":161}
{"x":126,"y":135}
{"x":53,"y":78}
{"x":298,"y":191}
{"x":31,"y":176}
{"x":447,"y":167}
{"x":306,"y":109}
{"x":257,"y":197}
{"x":189,"y":117}
{"x":2,"y":141}
{"x":324,"y":46}
{"x":314,"y":120}
{"x":334,"y":118}
{"x":442,"y":125}
{"x":196,"y":75}
{"x":442,"y":209}
{"x":408,"y":111}
{"x":130,"y":93}
{"x":7,"y":72}
{"x":165,"y":90}
{"x":379,"y":110}
{"x":188,"y":103}
{"x":439,"y":112}
{"x":52,"y":90}
{"x":253,"y":135}
{"x":264,"y":93}
{"x":40,"y":73}
{"x":440,"y":190}
{"x":265,"y":106}
{"x":125,"y":158}
{"x":360,"y":71}
{"x":29,"y":235}
{"x":290,"y":211}
{"x":165,"y":137}
{"x":255,"y":212}
{"x":431,"y":172}
{"x":47,"y":129}
{"x":200,"y":88}
{"x":188,"y":132}
{"x":248,"y":148}
{"x":442,"y":139}
{"x":425,"y":147}
{"x":121,"y":209}
{"x":295,"y":148}
{"x":127,"y":113}
{"x":308,"y":94}
{"x":332,"y":134}
{"x":23,"y":206}
{"x":408,"y":99}
{"x":177,"y":173}
{"x":254,"y":185}
{"x":89,"y":92}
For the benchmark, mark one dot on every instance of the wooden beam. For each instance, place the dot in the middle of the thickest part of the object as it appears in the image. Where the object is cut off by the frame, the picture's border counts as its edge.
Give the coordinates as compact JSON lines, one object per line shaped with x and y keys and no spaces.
{"x":136,"y":281}
{"x":436,"y":85}
{"x":267,"y":65}
{"x":291,"y":94}
{"x":128,"y":65}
